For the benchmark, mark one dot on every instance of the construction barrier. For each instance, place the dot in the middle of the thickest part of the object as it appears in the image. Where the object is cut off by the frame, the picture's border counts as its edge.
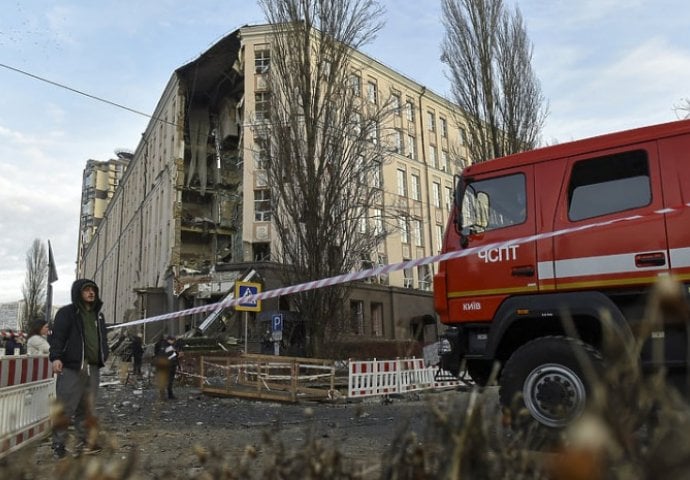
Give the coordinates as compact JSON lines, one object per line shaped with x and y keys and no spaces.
{"x":27,"y":389}
{"x":267,"y":377}
{"x":384,"y":377}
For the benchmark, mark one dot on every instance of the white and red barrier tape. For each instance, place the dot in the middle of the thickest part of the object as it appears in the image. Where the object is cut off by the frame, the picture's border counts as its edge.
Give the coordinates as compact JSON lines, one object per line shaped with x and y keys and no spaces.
{"x":383,"y":269}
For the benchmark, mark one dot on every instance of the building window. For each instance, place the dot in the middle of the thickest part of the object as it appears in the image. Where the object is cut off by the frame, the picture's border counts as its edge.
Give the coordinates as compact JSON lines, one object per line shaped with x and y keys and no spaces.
{"x":409,"y":111}
{"x":408,"y":277}
{"x":424,"y":277}
{"x":262,"y":205}
{"x":402,"y":183}
{"x":356,"y":84}
{"x":449,"y":197}
{"x":445,"y":164}
{"x":436,"y":194}
{"x":377,"y":176}
{"x":444,"y":127}
{"x":431,"y":118}
{"x":261,"y":105}
{"x":439,"y":237}
{"x":404,"y":230}
{"x":411,"y":149}
{"x":417,"y":232}
{"x":357,"y":317}
{"x":374,"y":133}
{"x":398,"y":146}
{"x":261,"y":252}
{"x":262,"y":61}
{"x":372,"y":94}
{"x":395,"y":103}
{"x":463,"y":136}
{"x":378,"y":222}
{"x":416,"y":187}
{"x":357,"y":124}
{"x":363,"y":223}
{"x":260,"y":153}
{"x":377,"y":319}
{"x":433,"y":157}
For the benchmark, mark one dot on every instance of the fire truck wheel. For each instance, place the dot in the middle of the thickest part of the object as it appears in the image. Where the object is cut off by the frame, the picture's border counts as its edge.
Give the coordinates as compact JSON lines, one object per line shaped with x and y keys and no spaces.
{"x":546,"y":377}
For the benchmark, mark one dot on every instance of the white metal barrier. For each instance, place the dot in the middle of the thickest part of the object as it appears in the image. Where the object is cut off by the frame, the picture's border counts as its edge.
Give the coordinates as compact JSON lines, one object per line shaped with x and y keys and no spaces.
{"x":27,"y":389}
{"x":384,"y":377}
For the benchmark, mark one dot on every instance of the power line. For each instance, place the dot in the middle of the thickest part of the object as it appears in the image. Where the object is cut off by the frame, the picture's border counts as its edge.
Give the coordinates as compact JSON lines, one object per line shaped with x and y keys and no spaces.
{"x":93,"y":97}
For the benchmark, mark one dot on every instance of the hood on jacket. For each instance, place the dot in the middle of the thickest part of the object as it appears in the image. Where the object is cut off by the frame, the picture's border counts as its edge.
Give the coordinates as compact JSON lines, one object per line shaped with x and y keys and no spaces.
{"x":79,"y":285}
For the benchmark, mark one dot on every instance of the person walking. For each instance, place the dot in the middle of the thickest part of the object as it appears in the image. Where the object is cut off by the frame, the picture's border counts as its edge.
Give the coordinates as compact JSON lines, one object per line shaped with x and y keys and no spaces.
{"x":11,"y":345}
{"x":78,"y":349}
{"x":37,"y":344}
{"x":137,"y":352}
{"x":165,"y":360}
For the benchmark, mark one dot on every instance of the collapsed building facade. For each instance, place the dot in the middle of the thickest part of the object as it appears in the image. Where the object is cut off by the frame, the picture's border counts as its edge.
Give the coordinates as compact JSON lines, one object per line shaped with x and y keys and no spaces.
{"x":192,"y":213}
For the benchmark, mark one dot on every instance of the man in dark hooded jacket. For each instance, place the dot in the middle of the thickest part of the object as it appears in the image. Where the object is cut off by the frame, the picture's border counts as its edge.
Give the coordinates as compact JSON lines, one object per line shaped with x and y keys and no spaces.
{"x":78,"y":349}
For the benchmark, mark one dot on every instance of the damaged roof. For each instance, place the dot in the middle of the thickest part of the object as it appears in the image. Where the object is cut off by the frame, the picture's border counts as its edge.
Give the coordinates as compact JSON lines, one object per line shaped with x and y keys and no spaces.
{"x":212,"y":74}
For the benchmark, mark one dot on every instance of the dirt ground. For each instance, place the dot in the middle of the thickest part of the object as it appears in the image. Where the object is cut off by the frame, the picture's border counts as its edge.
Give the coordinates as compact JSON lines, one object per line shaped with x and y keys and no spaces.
{"x":164,"y":436}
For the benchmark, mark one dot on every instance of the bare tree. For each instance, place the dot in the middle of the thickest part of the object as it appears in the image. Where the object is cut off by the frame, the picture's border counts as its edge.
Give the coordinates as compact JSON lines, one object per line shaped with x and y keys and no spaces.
{"x":489,"y":56}
{"x":324,"y":150}
{"x":683,"y":109}
{"x":34,"y":289}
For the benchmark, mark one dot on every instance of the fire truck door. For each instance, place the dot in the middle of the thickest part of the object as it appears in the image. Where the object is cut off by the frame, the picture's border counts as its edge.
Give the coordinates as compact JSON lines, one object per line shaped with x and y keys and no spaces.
{"x":496,"y":208}
{"x":617,"y":194}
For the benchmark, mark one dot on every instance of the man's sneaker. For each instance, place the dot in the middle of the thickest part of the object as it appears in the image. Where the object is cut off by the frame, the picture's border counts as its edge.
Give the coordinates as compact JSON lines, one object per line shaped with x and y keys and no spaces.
{"x":86,"y":449}
{"x":59,"y":452}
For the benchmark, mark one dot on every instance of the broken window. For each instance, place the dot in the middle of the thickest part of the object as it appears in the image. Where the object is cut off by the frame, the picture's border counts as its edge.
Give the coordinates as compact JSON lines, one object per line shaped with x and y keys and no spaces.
{"x":417,"y":232}
{"x":397,"y":148}
{"x":356,"y":84}
{"x":262,"y":205}
{"x":261,"y":252}
{"x":261,"y":146}
{"x":409,"y":110}
{"x":377,"y":319}
{"x":261,"y":105}
{"x":416,"y":187}
{"x":408,"y":277}
{"x":424,"y":276}
{"x":357,"y":317}
{"x":411,"y":149}
{"x":432,"y":121}
{"x":262,"y":61}
{"x":402,"y":183}
{"x":395,"y":103}
{"x":372,"y":93}
{"x":404,"y":230}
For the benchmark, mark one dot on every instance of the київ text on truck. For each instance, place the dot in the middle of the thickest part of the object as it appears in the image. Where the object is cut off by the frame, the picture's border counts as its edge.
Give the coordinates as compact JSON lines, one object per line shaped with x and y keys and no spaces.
{"x":598,"y":222}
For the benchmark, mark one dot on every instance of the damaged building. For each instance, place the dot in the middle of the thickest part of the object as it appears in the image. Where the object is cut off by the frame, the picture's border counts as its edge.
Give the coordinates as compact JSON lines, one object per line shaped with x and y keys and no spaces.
{"x":191,"y":215}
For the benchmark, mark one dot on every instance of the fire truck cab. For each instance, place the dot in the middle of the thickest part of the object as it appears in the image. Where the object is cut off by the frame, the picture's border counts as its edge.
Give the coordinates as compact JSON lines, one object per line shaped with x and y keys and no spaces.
{"x":582,"y":229}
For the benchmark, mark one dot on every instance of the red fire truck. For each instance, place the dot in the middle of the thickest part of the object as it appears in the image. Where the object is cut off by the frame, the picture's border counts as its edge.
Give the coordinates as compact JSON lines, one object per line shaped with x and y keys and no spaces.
{"x":582,"y":229}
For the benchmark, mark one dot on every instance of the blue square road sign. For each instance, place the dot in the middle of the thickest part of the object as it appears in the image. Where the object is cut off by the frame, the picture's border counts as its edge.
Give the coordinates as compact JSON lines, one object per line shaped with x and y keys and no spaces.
{"x":244,"y":292}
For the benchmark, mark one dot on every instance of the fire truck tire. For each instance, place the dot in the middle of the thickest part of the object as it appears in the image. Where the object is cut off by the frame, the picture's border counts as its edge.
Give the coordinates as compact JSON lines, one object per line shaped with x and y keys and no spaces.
{"x":546,"y":378}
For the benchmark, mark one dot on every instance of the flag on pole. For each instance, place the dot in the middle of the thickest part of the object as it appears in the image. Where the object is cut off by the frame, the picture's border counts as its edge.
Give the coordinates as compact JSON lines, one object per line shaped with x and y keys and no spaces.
{"x":52,"y":269}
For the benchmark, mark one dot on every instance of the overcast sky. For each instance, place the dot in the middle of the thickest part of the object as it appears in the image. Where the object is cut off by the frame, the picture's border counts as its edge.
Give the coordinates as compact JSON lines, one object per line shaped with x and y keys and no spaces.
{"x":604,"y":65}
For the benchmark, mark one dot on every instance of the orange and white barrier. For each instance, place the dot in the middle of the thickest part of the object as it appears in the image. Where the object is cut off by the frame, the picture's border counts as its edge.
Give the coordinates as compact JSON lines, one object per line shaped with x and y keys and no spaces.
{"x":27,"y":389}
{"x":384,"y":377}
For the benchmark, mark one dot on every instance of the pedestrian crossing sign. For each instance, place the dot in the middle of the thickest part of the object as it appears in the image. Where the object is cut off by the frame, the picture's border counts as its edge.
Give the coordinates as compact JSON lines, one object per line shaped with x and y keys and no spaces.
{"x":244,"y":292}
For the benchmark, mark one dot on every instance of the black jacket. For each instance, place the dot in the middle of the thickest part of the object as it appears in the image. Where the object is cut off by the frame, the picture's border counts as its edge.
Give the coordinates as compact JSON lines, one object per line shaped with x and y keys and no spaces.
{"x":67,"y":338}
